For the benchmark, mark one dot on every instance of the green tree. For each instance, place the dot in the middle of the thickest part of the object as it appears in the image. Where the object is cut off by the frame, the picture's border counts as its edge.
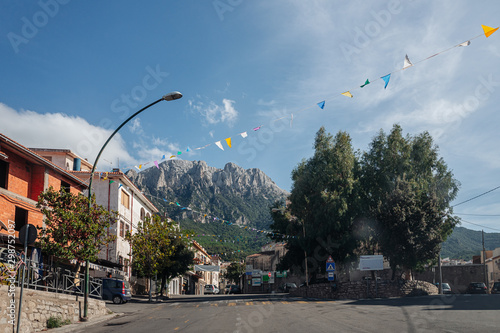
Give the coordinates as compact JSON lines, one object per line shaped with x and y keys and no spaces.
{"x":72,"y":230}
{"x":151,"y":246}
{"x":179,"y":261}
{"x":407,"y":190}
{"x":234,"y":272}
{"x":321,"y":214}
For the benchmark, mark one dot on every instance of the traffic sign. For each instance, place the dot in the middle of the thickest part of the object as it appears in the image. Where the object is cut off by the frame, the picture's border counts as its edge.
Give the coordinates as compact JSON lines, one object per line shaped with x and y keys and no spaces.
{"x":330,"y":259}
{"x":330,"y":266}
{"x":27,"y":234}
{"x":269,"y":274}
{"x":331,"y":276}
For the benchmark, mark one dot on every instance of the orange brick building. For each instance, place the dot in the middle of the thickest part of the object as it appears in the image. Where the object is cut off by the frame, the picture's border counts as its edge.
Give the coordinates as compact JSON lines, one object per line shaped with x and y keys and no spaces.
{"x":23,"y":176}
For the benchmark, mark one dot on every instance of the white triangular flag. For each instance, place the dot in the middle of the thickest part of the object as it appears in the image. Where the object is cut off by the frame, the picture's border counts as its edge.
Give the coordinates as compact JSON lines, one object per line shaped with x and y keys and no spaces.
{"x":244,"y":134}
{"x":219,"y":145}
{"x":407,"y":62}
{"x":467,"y":43}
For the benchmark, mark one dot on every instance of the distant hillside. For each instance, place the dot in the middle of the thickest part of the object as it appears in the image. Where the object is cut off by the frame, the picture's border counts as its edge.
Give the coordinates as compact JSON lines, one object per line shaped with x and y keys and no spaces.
{"x":464,"y":243}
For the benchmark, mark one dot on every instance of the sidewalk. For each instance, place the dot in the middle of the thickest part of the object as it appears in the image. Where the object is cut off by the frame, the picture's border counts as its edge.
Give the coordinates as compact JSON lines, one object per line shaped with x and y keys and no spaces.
{"x":82,"y":324}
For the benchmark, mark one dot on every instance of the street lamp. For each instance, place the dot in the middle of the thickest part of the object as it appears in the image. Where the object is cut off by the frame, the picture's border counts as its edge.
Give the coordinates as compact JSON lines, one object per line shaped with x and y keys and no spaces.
{"x":168,"y":97}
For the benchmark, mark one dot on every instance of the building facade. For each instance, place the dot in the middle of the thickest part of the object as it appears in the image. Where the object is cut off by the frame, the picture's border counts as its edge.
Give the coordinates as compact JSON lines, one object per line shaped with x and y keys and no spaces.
{"x":115,"y":192}
{"x":24,"y":174}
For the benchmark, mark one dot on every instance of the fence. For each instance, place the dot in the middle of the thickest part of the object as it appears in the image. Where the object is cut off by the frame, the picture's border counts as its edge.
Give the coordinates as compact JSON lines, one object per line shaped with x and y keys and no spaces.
{"x":52,"y":278}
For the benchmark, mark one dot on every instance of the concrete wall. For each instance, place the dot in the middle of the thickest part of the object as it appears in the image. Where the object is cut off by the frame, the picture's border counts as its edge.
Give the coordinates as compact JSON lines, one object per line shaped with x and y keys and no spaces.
{"x":38,"y":306}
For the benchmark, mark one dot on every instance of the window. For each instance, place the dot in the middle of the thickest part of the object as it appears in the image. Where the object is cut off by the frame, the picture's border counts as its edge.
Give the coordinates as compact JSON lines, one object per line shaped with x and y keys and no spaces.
{"x":143,"y":214}
{"x":122,"y":229}
{"x":65,"y":187}
{"x":21,"y":218}
{"x":4,"y":172}
{"x":125,"y":200}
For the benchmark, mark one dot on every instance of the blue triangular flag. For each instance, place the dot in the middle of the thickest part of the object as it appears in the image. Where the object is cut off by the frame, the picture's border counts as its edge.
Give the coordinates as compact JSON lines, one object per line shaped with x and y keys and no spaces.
{"x":163,"y":157}
{"x":386,"y":79}
{"x":321,"y":105}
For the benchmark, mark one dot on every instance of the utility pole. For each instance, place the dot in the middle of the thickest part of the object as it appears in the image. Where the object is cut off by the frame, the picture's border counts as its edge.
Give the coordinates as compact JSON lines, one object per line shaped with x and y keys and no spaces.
{"x":484,"y":264}
{"x":440,"y":274}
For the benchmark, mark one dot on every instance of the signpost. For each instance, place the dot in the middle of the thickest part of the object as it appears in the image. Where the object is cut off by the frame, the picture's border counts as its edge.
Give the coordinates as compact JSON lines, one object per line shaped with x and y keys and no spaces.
{"x":330,"y":269}
{"x":371,"y":263}
{"x":27,"y":235}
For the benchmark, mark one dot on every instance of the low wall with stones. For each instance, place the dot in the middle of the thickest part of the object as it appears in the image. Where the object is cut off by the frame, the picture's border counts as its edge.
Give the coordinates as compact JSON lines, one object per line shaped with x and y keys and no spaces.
{"x":38,"y":306}
{"x":366,"y":289}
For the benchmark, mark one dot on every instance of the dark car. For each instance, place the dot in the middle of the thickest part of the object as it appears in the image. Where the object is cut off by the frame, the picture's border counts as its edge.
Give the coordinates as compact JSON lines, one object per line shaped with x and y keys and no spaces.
{"x":496,"y":288}
{"x":446,"y":288}
{"x":476,"y":288}
{"x":286,"y":287}
{"x":116,"y":290}
{"x":234,"y":289}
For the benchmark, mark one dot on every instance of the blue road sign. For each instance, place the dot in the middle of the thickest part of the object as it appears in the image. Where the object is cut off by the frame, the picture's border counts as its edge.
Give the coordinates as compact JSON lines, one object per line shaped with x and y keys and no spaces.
{"x":330,"y":266}
{"x":331,"y":276}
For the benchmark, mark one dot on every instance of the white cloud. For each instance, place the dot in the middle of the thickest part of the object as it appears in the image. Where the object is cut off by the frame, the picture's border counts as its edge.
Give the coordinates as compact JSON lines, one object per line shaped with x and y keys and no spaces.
{"x":136,"y":127}
{"x":58,"y":130}
{"x":214,"y":113}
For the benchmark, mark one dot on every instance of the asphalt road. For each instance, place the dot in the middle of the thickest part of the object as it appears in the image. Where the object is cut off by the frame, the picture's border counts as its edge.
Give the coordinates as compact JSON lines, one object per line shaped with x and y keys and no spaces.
{"x":280,"y":313}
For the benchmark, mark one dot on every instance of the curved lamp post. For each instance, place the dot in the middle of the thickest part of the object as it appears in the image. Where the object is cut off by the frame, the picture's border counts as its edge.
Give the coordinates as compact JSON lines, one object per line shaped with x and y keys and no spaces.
{"x":168,"y":97}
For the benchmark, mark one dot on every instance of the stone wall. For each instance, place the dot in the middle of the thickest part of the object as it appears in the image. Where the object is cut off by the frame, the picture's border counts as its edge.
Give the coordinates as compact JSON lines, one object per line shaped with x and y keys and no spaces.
{"x":367,"y":289}
{"x":38,"y":306}
{"x":458,"y":276}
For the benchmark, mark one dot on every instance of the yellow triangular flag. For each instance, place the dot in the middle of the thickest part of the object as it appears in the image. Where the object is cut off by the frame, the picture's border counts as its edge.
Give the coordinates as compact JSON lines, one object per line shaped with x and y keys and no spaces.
{"x":347,"y":93}
{"x":228,"y":140}
{"x":488,"y":31}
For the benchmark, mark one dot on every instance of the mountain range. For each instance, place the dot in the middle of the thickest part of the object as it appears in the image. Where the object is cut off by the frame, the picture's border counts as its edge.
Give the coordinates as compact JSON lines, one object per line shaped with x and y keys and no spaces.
{"x":464,"y":243}
{"x":231,"y":203}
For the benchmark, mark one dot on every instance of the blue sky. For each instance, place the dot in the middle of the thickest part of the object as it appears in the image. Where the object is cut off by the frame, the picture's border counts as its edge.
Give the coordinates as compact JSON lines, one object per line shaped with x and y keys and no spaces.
{"x":72,"y":71}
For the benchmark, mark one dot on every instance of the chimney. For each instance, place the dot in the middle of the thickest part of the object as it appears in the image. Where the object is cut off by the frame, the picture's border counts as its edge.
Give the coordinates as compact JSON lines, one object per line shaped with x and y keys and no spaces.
{"x":77,"y":164}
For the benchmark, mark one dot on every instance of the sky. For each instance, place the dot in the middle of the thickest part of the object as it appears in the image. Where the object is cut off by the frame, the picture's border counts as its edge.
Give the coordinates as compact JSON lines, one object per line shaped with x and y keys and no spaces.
{"x":73,"y":71}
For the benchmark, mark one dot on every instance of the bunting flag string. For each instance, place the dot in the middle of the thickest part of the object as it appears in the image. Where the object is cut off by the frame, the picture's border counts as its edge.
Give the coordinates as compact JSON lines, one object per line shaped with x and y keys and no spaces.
{"x":487,"y":32}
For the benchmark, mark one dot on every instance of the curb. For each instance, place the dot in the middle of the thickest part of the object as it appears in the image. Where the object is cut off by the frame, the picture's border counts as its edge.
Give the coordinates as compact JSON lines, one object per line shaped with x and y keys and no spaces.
{"x":82,"y":324}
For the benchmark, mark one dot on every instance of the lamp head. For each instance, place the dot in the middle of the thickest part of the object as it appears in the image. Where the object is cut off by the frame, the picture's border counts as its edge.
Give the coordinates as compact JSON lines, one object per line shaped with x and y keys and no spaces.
{"x":173,"y":95}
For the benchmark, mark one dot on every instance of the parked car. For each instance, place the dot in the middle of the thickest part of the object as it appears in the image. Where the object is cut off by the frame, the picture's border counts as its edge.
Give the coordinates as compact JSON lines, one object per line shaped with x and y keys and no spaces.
{"x":116,"y":290}
{"x":496,"y":288}
{"x":286,"y":287}
{"x":446,"y":288}
{"x":211,"y":289}
{"x":476,"y":288}
{"x":234,"y":289}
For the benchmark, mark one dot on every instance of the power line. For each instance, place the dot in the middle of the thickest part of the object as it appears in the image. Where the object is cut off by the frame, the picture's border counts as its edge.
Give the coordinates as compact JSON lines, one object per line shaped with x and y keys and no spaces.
{"x":479,"y":225}
{"x":477,"y":196}
{"x":491,"y":215}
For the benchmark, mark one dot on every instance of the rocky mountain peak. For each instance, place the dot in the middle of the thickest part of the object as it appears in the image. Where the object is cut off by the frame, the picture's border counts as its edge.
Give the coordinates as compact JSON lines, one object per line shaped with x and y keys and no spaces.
{"x":243,"y":195}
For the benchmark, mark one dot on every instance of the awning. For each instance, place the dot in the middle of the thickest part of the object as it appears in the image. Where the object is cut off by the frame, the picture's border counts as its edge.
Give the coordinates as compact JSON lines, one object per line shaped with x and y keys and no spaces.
{"x":206,"y":268}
